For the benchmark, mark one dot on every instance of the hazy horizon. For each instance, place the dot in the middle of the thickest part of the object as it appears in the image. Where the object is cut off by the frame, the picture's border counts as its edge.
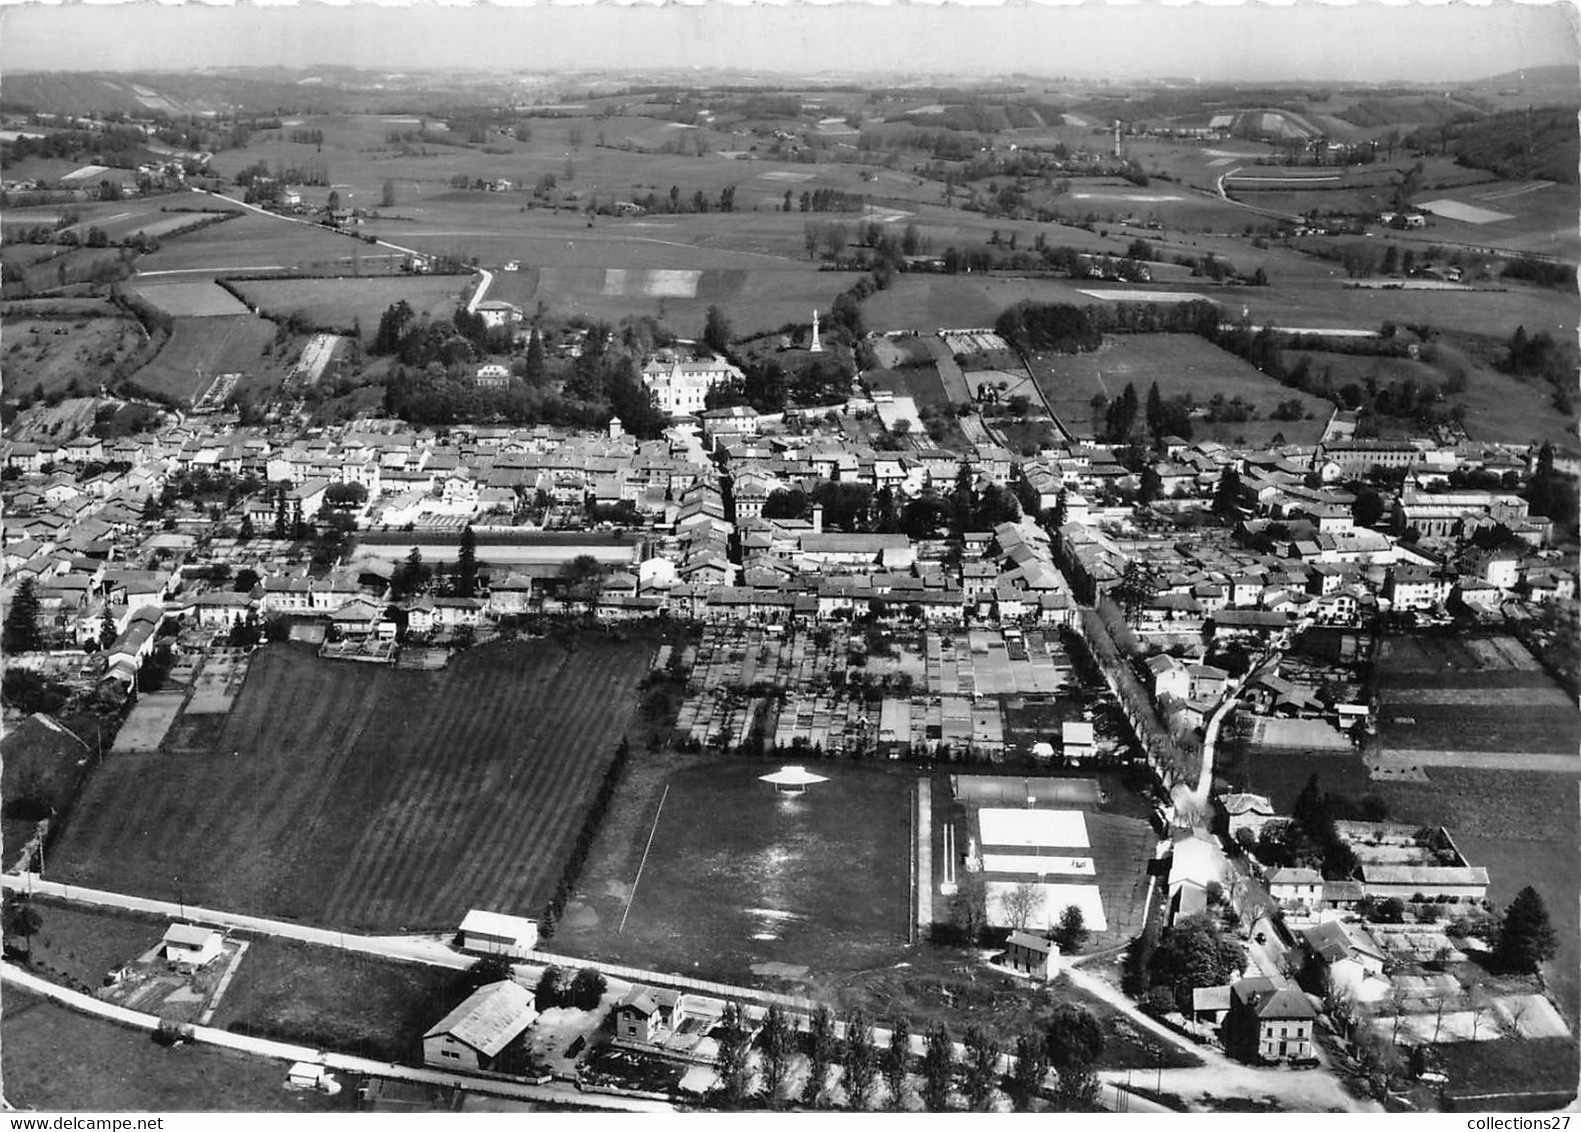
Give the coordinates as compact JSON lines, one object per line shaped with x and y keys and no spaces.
{"x":1252,"y":43}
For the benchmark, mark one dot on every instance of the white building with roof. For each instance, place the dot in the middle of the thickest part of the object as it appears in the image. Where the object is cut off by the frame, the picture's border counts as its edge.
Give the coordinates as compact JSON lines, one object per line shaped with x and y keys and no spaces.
{"x":495,"y":933}
{"x":680,"y":385}
{"x":474,"y":1035}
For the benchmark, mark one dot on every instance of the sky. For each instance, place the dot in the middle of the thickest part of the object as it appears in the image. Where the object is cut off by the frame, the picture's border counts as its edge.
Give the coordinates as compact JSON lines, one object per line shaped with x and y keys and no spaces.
{"x":1256,"y":41}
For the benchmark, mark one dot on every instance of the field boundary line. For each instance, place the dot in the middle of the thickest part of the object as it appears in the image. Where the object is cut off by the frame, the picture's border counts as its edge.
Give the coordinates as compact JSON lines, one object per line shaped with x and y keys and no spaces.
{"x":642,"y":863}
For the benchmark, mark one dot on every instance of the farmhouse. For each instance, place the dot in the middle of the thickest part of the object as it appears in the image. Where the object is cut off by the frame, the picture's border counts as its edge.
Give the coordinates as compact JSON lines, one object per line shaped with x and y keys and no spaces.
{"x":1349,"y":957}
{"x":645,"y":1013}
{"x":1268,"y":1023}
{"x":1295,"y":889}
{"x":1032,"y":955}
{"x":189,"y":945}
{"x":497,"y":315}
{"x":494,"y":933}
{"x":477,"y":1033}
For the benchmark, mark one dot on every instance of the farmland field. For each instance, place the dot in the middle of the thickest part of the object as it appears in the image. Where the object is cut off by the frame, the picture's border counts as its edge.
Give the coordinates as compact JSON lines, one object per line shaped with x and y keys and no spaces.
{"x":365,"y":797}
{"x":225,"y":344}
{"x":341,"y":302}
{"x":192,"y":300}
{"x":255,"y":243}
{"x":742,"y":883}
{"x":1480,"y":695}
{"x":1181,"y":364}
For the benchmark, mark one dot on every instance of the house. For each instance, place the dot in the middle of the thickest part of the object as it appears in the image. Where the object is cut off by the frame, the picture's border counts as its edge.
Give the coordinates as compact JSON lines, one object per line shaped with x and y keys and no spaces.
{"x":1296,"y":889}
{"x":452,"y":612}
{"x":1170,"y":677}
{"x":1268,"y":1023}
{"x":220,"y":609}
{"x":495,"y":933}
{"x":475,"y":1034}
{"x":1246,"y":811}
{"x":722,"y":425}
{"x":1206,"y":682}
{"x":357,"y":618}
{"x":645,"y":1013}
{"x":1077,"y":741}
{"x":1349,"y":957}
{"x":492,"y":376}
{"x":190,"y":945}
{"x":1031,"y":955}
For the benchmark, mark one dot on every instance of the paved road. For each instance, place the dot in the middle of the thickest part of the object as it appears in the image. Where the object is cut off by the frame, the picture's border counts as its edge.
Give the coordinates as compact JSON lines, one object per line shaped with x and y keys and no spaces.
{"x":1210,"y":736}
{"x":283,"y":1051}
{"x":480,"y":290}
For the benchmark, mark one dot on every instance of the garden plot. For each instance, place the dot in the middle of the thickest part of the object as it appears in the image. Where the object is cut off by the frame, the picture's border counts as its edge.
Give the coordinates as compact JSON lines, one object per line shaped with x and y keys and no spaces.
{"x":1524,"y":1015}
{"x":315,"y":357}
{"x":145,"y":729}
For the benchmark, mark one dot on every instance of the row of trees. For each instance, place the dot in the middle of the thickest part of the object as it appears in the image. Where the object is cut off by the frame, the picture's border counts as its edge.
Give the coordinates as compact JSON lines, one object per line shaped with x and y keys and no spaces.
{"x":1070,"y":1044}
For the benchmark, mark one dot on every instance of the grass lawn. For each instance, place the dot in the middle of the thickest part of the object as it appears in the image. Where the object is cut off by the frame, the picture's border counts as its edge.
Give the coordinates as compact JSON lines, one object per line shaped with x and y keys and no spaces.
{"x":1180,"y":364}
{"x":319,"y":996}
{"x":738,"y":877}
{"x":56,"y":1060}
{"x":79,"y":946}
{"x":370,"y":798}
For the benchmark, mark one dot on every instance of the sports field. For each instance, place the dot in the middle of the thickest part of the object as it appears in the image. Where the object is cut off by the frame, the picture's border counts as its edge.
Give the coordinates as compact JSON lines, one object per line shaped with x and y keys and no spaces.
{"x":740,"y":882}
{"x":365,"y":797}
{"x":1067,"y":844}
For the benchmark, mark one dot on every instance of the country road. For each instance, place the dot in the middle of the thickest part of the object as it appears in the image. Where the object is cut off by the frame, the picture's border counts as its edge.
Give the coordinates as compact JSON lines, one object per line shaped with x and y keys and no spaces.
{"x":564,"y":1094}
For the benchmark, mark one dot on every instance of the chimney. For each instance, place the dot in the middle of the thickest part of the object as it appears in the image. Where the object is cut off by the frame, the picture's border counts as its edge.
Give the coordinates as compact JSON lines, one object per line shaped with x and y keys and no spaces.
{"x":817,"y":518}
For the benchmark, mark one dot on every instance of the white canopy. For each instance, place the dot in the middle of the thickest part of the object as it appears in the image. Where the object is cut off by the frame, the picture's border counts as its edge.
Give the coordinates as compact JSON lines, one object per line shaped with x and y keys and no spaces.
{"x":793,"y":777}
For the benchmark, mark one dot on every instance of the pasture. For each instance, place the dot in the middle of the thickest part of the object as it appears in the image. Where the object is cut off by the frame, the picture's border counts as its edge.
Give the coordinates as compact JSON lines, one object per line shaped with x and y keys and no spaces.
{"x":1180,"y":364}
{"x":343,"y":302}
{"x":369,"y":798}
{"x":745,"y":884}
{"x":199,"y":348}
